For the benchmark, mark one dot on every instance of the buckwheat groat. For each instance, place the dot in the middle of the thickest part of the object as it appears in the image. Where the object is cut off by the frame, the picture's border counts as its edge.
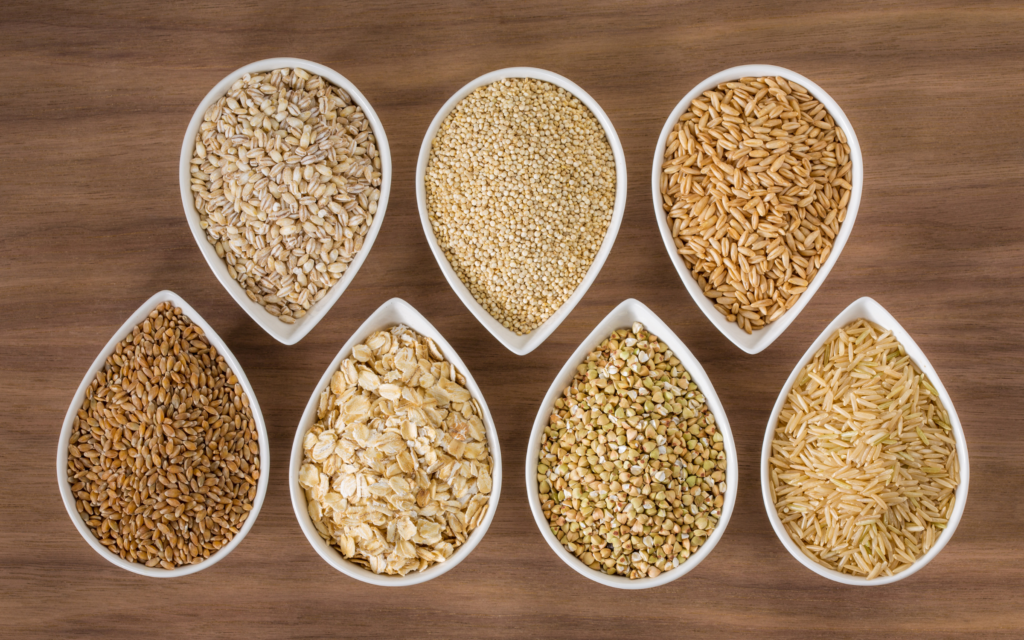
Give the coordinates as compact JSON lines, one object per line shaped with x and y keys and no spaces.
{"x":631,"y":473}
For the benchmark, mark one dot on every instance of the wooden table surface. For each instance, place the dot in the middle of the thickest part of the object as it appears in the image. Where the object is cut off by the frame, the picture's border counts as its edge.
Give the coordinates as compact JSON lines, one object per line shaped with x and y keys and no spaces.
{"x":95,"y":100}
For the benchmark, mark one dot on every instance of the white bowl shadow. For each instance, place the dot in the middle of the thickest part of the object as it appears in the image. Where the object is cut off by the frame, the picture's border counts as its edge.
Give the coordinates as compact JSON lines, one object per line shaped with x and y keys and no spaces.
{"x":759,"y":340}
{"x":65,"y":434}
{"x":284,"y":333}
{"x":623,"y":316}
{"x":394,"y":311}
{"x":522,"y":345}
{"x":870,"y":310}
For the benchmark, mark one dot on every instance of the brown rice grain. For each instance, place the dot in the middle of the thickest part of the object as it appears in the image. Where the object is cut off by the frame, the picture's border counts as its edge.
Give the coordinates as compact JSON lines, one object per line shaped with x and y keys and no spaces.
{"x":755,"y":185}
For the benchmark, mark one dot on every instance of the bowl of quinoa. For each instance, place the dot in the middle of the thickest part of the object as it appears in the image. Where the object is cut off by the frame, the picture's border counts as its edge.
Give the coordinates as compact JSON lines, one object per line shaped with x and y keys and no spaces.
{"x":521,"y":187}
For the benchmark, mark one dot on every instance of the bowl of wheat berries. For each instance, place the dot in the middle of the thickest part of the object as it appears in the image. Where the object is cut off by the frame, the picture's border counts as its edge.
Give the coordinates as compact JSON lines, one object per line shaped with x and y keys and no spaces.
{"x":756,"y":181}
{"x":163,"y":457}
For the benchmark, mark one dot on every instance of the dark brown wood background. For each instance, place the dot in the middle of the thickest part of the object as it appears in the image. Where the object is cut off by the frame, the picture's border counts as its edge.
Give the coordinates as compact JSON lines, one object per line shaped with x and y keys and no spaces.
{"x":94,"y":101}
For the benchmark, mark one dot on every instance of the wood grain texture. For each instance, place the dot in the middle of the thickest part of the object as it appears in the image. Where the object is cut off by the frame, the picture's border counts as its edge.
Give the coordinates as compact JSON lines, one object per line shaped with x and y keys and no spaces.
{"x":95,"y":99}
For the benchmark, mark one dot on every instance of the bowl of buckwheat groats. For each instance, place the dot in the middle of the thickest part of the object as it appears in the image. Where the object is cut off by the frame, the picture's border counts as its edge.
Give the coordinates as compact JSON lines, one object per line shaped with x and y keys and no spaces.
{"x":631,"y":469}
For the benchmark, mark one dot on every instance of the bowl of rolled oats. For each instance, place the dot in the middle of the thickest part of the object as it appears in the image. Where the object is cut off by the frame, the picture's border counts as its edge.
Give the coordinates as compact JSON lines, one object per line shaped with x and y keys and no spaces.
{"x":757,"y":179}
{"x":521,"y":189}
{"x":631,"y":468}
{"x":396,"y":469}
{"x":285,"y":173}
{"x":163,"y":457}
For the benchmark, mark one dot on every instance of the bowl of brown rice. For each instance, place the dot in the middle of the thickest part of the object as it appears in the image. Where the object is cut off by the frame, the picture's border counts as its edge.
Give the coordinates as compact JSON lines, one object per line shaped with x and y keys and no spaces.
{"x":864,"y":467}
{"x":757,"y":178}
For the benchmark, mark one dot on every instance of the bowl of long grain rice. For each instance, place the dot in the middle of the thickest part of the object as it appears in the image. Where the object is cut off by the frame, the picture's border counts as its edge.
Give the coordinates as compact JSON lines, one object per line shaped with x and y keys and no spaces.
{"x":864,"y":468}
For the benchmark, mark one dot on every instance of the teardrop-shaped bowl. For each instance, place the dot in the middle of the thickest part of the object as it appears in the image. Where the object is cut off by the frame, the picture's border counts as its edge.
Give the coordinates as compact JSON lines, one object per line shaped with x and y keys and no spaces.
{"x":524,"y":344}
{"x":65,"y":434}
{"x":284,"y":333}
{"x":623,"y":316}
{"x":757,"y":341}
{"x":394,"y":311}
{"x":870,"y":310}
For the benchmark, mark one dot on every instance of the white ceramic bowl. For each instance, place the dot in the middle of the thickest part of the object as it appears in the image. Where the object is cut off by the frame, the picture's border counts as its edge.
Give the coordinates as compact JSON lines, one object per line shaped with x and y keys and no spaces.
{"x":758,"y":341}
{"x":65,"y":434}
{"x":285,"y":333}
{"x":868,"y":309}
{"x":621,"y":317}
{"x":394,"y":311}
{"x":522,"y":345}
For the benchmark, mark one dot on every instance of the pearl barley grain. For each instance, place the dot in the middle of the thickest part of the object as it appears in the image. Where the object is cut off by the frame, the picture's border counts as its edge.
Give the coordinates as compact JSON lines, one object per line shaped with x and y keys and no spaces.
{"x":286,"y":178}
{"x":520,"y":190}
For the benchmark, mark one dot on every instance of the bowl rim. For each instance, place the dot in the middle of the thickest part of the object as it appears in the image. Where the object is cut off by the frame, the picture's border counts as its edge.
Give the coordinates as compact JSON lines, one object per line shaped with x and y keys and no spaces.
{"x":869,"y":309}
{"x":286,"y":334}
{"x":394,"y":311}
{"x":623,"y":315}
{"x":522,"y":345}
{"x":137,"y":317}
{"x":763,"y":338}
